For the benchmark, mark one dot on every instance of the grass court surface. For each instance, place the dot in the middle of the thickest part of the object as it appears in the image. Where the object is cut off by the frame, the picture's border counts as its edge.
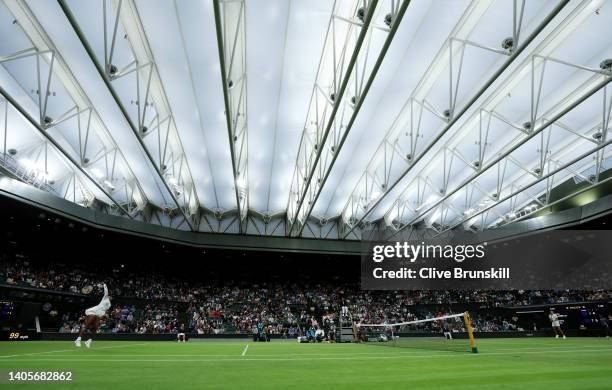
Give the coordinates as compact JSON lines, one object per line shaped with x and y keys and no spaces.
{"x":521,"y":363}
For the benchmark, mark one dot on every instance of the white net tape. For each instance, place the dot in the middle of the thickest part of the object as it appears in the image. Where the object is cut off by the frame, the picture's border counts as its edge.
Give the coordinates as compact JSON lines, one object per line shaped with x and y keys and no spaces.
{"x":433,"y":319}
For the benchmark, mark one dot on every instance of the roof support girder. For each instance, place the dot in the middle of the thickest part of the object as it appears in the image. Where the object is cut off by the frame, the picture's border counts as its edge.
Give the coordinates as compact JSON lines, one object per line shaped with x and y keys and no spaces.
{"x":452,"y":118}
{"x":323,"y":107}
{"x":342,"y":130}
{"x":231,"y":42}
{"x":106,"y":74}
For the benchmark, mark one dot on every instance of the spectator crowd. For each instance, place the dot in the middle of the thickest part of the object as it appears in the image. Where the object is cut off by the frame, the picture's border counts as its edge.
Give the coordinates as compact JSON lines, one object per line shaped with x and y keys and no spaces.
{"x":166,"y":304}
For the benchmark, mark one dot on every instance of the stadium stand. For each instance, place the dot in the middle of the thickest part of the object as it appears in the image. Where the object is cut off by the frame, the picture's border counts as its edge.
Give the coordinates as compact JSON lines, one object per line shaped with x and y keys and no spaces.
{"x":165,"y":304}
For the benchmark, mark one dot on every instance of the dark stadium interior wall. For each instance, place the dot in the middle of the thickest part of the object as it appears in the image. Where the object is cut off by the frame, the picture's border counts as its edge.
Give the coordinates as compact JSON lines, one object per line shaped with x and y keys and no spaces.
{"x":590,"y":204}
{"x":45,"y":237}
{"x":570,"y":186}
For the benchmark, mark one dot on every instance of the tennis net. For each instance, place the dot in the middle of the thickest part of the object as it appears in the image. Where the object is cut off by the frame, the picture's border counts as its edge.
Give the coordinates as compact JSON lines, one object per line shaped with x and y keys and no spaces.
{"x":447,"y":333}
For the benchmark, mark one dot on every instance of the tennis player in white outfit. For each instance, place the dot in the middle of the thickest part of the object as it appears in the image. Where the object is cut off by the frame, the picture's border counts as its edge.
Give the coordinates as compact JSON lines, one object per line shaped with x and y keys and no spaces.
{"x":92,"y":319}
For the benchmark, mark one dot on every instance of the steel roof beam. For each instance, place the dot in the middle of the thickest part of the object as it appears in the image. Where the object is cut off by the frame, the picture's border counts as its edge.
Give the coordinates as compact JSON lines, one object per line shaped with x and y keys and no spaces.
{"x":498,"y":159}
{"x":454,"y":117}
{"x":58,"y":147}
{"x":311,"y":151}
{"x":559,"y":167}
{"x":91,"y":124}
{"x":137,"y":132}
{"x":322,"y":178}
{"x":234,"y":81}
{"x":477,"y":123}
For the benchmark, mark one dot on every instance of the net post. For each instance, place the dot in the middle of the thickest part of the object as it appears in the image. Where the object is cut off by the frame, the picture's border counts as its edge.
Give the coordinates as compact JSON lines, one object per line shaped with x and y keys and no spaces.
{"x":468,"y":325}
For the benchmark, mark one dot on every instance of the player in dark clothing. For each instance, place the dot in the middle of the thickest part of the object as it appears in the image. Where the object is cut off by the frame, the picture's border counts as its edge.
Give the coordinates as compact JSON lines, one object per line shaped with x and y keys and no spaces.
{"x":605,"y":324}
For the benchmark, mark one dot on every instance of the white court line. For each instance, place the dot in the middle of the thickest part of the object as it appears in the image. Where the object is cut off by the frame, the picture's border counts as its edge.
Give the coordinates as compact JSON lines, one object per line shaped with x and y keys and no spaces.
{"x":69,"y":350}
{"x":122,"y":346}
{"x":253,"y":359}
{"x":245,"y":350}
{"x":38,"y":353}
{"x":388,"y":352}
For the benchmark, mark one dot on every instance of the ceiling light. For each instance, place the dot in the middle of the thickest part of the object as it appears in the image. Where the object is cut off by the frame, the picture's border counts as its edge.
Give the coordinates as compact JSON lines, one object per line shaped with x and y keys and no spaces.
{"x":388,"y":20}
{"x":361,"y":13}
{"x":241,"y":183}
{"x":113,"y":70}
{"x":606,"y":64}
{"x":434,"y":218}
{"x":97,"y":173}
{"x":29,"y":164}
{"x":432,"y":198}
{"x":508,"y":43}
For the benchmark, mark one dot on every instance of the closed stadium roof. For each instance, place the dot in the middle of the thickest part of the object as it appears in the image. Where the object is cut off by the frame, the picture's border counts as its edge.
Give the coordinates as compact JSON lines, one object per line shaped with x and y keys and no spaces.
{"x":306,"y":118}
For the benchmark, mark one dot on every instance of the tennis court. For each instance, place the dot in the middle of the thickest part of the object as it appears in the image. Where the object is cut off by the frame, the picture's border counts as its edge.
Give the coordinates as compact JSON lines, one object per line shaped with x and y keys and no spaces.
{"x":517,"y":363}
